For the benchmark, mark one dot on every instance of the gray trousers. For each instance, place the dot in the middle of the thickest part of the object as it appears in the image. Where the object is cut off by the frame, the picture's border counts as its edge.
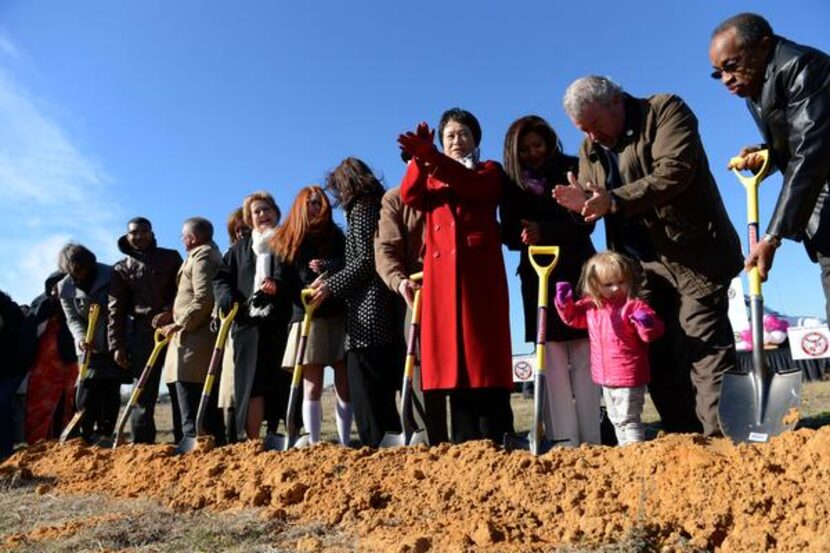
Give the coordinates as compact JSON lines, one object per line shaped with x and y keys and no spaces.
{"x":625,"y":409}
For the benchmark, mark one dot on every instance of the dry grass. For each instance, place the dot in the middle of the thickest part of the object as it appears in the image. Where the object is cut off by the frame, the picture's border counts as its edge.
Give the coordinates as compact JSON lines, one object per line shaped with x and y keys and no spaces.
{"x":815,"y":412}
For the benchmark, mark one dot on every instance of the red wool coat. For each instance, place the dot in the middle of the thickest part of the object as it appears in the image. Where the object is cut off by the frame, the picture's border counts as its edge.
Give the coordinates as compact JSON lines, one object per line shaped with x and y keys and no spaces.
{"x":465,"y":326}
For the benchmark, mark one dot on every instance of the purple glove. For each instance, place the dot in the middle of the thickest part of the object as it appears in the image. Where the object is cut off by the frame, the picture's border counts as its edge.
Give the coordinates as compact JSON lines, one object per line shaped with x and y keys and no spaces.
{"x":564,"y":293}
{"x":642,"y":318}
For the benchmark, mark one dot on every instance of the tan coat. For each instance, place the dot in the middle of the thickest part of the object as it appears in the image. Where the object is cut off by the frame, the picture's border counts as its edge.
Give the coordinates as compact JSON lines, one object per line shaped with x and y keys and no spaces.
{"x":399,"y":242}
{"x":189,"y":354}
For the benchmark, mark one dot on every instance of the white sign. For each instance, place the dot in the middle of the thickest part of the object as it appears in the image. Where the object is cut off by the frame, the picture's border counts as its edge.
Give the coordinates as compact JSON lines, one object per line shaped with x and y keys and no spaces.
{"x":737,"y":310}
{"x":523,"y":368}
{"x":809,"y":342}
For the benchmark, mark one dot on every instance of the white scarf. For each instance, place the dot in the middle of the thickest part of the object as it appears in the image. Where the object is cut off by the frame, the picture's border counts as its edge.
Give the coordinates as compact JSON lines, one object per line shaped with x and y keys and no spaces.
{"x":261,"y":246}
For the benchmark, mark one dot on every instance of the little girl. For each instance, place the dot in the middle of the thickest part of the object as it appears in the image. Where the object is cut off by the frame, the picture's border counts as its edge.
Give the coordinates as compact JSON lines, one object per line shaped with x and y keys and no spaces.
{"x":620,"y":325}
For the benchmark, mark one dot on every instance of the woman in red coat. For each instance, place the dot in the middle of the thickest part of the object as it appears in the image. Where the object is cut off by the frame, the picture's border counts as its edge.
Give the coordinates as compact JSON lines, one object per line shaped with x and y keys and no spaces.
{"x":465,"y":326}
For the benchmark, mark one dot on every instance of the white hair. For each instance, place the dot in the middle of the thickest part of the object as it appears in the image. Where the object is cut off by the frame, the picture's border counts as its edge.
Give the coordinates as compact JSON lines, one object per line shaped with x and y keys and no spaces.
{"x":589,"y":90}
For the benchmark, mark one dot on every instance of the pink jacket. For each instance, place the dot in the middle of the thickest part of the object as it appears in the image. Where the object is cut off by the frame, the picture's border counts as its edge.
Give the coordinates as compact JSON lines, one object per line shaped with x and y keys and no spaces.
{"x":619,"y":345}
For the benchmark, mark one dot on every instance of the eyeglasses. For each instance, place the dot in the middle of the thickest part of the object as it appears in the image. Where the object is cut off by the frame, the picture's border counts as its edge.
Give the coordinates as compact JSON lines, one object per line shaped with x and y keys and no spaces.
{"x":730,"y":67}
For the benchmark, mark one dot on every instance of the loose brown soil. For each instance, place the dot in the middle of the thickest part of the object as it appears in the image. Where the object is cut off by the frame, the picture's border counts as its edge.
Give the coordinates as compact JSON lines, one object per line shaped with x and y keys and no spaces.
{"x":678,"y":493}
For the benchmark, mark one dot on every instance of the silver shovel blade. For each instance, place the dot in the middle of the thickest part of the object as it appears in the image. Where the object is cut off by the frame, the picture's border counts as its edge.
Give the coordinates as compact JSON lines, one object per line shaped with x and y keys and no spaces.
{"x":419,"y":437}
{"x":744,"y":419}
{"x":187,"y":445}
{"x":280,"y":442}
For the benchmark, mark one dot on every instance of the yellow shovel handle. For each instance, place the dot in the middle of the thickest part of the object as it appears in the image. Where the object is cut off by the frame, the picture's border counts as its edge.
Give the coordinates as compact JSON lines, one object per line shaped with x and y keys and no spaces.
{"x":543,"y":271}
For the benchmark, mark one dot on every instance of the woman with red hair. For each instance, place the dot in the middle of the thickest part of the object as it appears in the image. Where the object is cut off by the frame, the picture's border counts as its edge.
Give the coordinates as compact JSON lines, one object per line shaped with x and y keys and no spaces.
{"x":309,"y":244}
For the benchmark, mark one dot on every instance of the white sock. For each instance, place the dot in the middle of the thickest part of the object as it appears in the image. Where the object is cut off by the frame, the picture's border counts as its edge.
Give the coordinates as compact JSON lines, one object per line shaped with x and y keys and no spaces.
{"x":312,"y":419}
{"x":343,"y":412}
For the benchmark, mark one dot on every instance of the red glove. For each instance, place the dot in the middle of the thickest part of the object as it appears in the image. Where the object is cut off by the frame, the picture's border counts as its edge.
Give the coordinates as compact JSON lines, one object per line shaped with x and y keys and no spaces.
{"x":418,"y":147}
{"x":425,"y":132}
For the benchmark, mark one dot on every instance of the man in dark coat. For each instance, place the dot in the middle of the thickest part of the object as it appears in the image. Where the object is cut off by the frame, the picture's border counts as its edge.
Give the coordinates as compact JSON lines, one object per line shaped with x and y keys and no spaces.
{"x":12,"y":369}
{"x":644,"y":169}
{"x":787,"y":90}
{"x":141,"y":298}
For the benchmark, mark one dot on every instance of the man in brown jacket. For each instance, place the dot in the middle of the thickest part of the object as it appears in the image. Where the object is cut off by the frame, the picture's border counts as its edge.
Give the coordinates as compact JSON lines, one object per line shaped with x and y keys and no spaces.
{"x":190,"y":350}
{"x":643,"y":168}
{"x":398,"y":254}
{"x":141,"y":295}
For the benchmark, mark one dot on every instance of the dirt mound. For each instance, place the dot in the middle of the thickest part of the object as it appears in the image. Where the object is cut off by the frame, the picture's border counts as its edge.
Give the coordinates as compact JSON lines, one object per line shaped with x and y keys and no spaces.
{"x":679,"y":492}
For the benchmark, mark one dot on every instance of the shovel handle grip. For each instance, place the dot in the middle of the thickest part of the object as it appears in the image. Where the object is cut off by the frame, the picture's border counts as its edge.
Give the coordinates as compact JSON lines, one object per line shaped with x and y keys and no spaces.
{"x":543,"y":271}
{"x":754,"y":180}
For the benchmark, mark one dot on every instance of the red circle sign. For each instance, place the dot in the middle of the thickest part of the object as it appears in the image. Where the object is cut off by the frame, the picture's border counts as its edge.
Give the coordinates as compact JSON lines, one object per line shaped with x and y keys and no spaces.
{"x":814,"y":344}
{"x":522,"y":370}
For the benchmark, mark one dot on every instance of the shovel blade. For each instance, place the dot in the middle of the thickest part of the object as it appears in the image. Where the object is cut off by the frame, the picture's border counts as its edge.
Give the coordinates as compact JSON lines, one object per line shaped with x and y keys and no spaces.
{"x":187,"y":445}
{"x":392,"y":439}
{"x":746,"y":418}
{"x":280,"y":442}
{"x":419,"y":437}
{"x":275,"y":442}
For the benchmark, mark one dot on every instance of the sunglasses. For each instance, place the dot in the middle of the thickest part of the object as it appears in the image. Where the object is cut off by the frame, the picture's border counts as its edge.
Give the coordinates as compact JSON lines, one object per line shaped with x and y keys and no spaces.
{"x":730,"y":68}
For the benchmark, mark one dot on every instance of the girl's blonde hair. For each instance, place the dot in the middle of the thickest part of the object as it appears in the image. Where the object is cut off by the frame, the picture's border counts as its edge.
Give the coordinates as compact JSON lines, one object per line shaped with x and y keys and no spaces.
{"x":608,"y":265}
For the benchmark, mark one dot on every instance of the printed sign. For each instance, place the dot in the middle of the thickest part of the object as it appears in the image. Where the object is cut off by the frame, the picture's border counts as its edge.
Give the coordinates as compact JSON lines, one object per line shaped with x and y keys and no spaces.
{"x":809,"y":342}
{"x":523,"y":366}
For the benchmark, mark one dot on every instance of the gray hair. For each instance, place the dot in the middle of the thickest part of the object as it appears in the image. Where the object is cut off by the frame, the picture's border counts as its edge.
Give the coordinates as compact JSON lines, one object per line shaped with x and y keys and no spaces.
{"x":200,"y":227}
{"x":589,"y":90}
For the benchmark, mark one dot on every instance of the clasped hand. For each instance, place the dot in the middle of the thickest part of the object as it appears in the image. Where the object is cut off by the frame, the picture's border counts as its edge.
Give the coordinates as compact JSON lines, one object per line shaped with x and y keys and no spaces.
{"x":592,"y":202}
{"x":419,"y":144}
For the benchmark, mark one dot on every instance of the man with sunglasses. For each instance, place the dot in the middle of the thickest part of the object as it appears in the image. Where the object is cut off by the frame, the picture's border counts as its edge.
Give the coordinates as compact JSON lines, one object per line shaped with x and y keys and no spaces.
{"x":787,"y":91}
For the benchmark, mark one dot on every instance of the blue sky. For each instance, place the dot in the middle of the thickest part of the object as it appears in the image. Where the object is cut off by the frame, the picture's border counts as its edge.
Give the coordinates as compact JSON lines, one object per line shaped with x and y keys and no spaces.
{"x":171,"y":109}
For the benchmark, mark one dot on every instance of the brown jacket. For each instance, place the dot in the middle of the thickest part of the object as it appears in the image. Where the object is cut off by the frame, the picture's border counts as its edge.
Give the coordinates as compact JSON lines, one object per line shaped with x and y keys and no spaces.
{"x":189,"y":354}
{"x":669,"y":190}
{"x":399,"y":241}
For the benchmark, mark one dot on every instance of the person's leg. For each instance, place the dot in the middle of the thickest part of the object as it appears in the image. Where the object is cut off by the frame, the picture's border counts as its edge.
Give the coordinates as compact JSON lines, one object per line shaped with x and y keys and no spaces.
{"x":92,"y":407}
{"x":312,"y":411}
{"x":586,"y":392}
{"x":711,"y":345}
{"x":188,"y":395}
{"x":373,"y":392}
{"x":435,"y":411}
{"x":230,"y":425}
{"x":256,"y":414}
{"x":343,"y":406}
{"x":175,"y":412}
{"x":670,"y":385}
{"x":631,"y":408}
{"x":110,"y":405}
{"x":560,"y":396}
{"x":495,"y":414}
{"x":464,"y":417}
{"x":615,"y":414}
{"x":142,"y":417}
{"x":8,"y":388}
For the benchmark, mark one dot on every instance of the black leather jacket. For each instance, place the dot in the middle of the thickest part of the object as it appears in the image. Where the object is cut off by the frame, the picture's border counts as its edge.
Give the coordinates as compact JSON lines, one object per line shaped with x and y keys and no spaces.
{"x":793,"y":114}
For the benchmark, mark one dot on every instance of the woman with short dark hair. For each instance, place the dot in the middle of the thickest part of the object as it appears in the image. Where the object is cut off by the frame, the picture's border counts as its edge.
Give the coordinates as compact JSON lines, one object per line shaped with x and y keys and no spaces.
{"x":465,"y":322}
